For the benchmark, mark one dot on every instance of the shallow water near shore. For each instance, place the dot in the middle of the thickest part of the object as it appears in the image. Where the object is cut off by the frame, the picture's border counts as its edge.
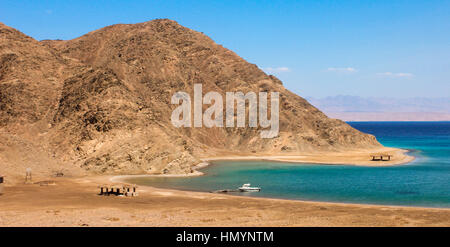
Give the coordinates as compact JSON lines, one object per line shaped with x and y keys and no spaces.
{"x":423,"y":182}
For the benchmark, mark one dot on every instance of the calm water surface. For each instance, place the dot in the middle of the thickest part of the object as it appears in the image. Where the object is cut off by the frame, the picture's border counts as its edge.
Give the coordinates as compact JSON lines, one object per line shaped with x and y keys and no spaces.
{"x":423,"y":182}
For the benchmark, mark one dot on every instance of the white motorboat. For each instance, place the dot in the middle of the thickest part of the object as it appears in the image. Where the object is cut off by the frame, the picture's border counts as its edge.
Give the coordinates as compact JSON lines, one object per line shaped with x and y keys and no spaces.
{"x":248,"y":188}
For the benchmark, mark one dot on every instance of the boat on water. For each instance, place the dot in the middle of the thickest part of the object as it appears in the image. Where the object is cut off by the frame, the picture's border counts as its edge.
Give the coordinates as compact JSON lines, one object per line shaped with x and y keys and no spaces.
{"x":248,"y":188}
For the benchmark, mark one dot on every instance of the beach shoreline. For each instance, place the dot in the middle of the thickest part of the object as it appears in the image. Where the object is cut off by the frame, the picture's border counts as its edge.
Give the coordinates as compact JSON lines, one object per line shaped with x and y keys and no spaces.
{"x":283,"y":159}
{"x":172,"y":190}
{"x":75,"y":202}
{"x":322,"y":158}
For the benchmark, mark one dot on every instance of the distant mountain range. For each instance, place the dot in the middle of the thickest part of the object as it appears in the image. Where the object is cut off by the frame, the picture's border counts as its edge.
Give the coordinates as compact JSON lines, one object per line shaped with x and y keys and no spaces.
{"x":355,"y":108}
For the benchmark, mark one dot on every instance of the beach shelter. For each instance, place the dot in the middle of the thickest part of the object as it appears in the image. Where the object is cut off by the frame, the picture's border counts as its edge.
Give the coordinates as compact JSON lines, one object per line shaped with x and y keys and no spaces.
{"x":1,"y":185}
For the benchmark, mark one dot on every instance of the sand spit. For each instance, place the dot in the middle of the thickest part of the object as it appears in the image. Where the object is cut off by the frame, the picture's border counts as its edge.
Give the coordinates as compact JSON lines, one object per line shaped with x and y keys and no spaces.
{"x":352,"y":157}
{"x":357,"y":158}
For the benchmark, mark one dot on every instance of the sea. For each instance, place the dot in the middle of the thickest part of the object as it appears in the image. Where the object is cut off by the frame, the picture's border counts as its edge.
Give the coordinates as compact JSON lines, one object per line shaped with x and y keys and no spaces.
{"x":424,"y":182}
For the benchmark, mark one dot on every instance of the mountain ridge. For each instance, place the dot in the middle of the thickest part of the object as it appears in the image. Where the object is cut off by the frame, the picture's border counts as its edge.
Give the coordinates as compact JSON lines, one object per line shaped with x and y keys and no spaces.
{"x":101,"y":102}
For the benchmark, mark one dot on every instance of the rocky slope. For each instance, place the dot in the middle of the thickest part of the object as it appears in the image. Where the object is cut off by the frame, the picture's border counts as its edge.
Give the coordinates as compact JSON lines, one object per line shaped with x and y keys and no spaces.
{"x":101,"y":103}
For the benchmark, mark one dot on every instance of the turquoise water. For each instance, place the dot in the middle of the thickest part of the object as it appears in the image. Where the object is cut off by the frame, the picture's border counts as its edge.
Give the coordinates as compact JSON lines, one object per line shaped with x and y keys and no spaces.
{"x":423,"y":182}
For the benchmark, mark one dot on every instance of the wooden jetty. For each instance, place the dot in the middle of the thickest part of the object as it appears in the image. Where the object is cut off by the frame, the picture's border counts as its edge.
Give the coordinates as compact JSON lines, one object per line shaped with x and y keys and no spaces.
{"x":118,"y":190}
{"x":381,"y":157}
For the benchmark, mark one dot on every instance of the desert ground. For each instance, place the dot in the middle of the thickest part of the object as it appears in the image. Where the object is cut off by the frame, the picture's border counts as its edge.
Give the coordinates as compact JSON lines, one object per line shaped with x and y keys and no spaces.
{"x":74,"y":201}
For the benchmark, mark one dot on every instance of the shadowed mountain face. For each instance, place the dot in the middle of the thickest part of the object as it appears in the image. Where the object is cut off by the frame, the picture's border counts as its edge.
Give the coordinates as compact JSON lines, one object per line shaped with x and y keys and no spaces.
{"x":101,"y":102}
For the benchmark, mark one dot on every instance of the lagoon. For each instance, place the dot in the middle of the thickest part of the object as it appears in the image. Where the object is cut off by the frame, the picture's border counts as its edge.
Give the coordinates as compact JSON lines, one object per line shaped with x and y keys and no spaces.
{"x":424,"y":182}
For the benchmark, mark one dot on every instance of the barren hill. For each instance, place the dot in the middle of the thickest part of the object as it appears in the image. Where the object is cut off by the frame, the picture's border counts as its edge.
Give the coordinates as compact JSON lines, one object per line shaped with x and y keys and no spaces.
{"x":101,"y":103}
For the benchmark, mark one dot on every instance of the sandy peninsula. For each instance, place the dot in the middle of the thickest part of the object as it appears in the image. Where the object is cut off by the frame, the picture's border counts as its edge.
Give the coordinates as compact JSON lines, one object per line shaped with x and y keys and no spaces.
{"x":359,"y":157}
{"x":356,"y":157}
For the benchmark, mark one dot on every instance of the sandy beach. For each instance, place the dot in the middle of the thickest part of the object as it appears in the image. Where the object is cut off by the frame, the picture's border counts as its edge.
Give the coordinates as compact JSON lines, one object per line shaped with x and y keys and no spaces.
{"x":356,"y":158}
{"x":75,"y":202}
{"x":359,"y":157}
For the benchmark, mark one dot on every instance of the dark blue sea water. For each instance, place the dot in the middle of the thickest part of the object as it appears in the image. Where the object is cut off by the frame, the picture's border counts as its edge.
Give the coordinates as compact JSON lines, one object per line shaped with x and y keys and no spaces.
{"x":423,"y":182}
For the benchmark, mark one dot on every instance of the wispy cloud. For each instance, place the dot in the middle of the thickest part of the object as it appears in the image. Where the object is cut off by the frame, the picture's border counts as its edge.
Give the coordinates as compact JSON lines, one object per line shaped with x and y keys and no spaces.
{"x":346,"y":70}
{"x":396,"y":75}
{"x":48,"y":11}
{"x":276,"y":70}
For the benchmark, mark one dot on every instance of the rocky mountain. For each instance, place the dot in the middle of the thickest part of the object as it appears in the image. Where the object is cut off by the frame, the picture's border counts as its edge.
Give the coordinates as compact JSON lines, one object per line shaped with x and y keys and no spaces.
{"x":100,"y":103}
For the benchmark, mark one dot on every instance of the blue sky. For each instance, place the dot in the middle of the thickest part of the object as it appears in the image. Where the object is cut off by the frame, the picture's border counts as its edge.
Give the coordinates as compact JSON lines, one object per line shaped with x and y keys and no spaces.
{"x":317,"y":48}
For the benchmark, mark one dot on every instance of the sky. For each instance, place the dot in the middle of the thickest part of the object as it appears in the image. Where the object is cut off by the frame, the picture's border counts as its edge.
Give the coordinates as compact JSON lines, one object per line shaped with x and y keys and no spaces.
{"x":317,"y":48}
